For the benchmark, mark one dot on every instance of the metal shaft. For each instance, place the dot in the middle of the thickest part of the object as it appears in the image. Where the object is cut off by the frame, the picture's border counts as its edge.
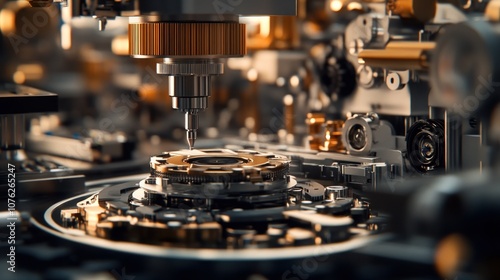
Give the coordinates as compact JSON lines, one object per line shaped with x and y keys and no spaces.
{"x":191,"y":126}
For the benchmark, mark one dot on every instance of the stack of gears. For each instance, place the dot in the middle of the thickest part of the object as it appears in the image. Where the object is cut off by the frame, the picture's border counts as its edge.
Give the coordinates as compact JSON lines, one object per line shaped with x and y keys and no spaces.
{"x":216,"y":199}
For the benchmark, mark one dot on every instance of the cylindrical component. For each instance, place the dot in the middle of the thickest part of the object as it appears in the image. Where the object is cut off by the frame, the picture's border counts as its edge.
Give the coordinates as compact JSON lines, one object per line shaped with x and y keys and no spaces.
{"x":102,"y":23}
{"x":368,"y":77}
{"x":357,"y":133}
{"x":394,"y":81}
{"x":12,"y":132}
{"x":425,"y":145}
{"x":189,"y":92}
{"x":200,"y":67}
{"x":333,"y":137}
{"x":365,"y":134}
{"x":336,"y":192}
{"x":289,"y":114}
{"x":187,"y":39}
{"x":315,"y":123}
{"x":399,"y":55}
{"x":191,"y":121}
{"x":191,"y":126}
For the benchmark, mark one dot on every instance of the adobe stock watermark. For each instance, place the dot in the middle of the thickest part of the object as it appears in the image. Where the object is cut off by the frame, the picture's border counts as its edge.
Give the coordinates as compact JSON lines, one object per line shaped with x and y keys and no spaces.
{"x":308,"y":266}
{"x":30,"y":27}
{"x":222,"y":7}
{"x":276,"y":122}
{"x":122,"y":275}
{"x":471,"y":103}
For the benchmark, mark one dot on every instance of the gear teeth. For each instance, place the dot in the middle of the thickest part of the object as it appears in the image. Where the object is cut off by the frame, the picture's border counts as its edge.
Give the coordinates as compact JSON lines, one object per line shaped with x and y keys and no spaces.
{"x":272,"y":168}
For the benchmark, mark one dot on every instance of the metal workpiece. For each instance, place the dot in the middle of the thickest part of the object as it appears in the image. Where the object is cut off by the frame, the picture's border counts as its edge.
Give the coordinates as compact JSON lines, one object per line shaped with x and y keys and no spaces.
{"x":203,"y":166}
{"x":200,"y":199}
{"x":365,"y":134}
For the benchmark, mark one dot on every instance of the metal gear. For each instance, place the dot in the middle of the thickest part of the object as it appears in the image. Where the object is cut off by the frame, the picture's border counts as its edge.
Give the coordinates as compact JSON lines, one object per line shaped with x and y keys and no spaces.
{"x":208,"y":166}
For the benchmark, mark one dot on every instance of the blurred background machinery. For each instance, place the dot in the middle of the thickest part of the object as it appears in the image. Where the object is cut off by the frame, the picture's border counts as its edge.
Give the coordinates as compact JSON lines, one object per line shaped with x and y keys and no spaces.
{"x":330,"y":135}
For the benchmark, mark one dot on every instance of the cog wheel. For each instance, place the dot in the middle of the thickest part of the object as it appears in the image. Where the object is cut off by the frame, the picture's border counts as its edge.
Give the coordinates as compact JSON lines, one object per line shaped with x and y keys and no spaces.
{"x":208,"y":166}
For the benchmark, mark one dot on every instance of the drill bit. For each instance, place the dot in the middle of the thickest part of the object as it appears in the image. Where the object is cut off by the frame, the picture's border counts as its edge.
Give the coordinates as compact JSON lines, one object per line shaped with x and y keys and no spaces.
{"x":191,"y":126}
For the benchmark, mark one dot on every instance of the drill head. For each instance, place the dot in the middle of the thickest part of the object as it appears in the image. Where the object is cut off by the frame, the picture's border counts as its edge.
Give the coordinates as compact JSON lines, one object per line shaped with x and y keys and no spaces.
{"x":191,"y":126}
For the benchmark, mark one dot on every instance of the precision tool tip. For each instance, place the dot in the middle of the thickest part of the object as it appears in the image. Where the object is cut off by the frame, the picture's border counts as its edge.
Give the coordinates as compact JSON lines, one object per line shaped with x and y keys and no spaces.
{"x":191,"y":142}
{"x":191,"y":137}
{"x":191,"y":126}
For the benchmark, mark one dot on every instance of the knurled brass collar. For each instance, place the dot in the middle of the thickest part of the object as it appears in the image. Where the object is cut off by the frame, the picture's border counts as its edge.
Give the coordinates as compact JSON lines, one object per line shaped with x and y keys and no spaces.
{"x":187,"y":39}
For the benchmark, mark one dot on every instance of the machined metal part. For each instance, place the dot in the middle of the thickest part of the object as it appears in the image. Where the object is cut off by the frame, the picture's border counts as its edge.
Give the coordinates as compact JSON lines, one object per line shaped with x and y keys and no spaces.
{"x":426,"y":146}
{"x":363,"y":135}
{"x":201,"y":166}
{"x":336,"y":192}
{"x":315,"y":122}
{"x":332,"y":140}
{"x":214,"y":199}
{"x":399,"y":55}
{"x":377,"y":43}
{"x":86,"y":149}
{"x":141,"y":214}
{"x":180,"y":230}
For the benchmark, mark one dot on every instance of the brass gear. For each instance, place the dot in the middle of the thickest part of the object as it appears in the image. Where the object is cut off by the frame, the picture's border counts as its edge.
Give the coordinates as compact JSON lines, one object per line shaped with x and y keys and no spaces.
{"x":187,"y":39}
{"x":220,"y":165}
